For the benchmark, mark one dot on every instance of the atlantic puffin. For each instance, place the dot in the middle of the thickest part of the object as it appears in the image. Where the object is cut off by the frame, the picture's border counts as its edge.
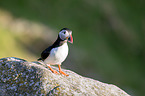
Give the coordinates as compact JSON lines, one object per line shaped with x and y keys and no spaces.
{"x":58,"y":51}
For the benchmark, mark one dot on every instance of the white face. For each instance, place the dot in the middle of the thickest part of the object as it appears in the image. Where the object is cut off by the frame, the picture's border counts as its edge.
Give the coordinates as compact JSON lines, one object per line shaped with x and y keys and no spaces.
{"x":64,"y":34}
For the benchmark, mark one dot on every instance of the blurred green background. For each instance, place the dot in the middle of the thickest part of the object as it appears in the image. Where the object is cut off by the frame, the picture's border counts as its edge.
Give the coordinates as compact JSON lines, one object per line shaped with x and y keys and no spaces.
{"x":109,"y":36}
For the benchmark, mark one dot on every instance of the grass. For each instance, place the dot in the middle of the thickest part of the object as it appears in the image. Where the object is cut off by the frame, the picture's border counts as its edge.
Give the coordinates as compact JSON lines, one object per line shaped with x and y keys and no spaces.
{"x":9,"y":46}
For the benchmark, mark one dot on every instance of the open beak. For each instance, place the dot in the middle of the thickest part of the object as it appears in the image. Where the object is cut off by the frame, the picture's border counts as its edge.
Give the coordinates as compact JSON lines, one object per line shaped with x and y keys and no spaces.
{"x":70,"y":39}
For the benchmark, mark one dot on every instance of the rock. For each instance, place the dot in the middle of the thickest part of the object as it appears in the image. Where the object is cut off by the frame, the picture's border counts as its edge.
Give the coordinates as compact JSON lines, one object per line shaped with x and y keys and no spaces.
{"x":19,"y":77}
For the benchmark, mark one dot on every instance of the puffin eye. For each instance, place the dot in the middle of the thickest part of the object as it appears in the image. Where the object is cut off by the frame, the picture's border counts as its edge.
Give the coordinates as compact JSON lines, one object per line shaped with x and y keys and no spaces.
{"x":64,"y":32}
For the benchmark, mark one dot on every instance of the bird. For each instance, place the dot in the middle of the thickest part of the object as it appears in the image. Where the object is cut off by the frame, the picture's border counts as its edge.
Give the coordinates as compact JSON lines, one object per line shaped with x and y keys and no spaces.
{"x":58,"y":51}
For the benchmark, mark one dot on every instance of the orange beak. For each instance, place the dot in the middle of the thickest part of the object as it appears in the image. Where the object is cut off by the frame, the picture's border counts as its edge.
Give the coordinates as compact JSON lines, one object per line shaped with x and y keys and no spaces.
{"x":70,"y":39}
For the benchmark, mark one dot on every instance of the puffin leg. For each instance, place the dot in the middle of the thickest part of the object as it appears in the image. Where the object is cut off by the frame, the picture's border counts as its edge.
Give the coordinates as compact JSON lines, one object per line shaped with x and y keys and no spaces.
{"x":60,"y":71}
{"x":54,"y":71}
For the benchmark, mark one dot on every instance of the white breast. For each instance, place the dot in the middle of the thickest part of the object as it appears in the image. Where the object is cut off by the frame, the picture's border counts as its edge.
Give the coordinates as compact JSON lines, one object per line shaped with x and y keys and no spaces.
{"x":57,"y":55}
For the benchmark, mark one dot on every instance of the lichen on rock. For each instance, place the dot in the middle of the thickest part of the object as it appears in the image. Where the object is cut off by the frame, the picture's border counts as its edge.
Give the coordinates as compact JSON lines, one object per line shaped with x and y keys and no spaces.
{"x":19,"y":77}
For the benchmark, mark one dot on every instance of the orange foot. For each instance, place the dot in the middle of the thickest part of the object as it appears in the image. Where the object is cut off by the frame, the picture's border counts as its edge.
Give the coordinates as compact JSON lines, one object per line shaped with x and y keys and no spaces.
{"x":60,"y":71}
{"x":54,"y":71}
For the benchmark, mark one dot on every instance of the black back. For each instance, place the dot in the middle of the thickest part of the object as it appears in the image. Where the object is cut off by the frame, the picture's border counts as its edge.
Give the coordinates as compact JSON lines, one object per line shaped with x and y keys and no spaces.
{"x":47,"y":51}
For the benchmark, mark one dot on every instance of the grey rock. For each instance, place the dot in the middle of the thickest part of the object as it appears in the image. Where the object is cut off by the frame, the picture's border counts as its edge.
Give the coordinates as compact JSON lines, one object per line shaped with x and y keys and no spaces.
{"x":21,"y":78}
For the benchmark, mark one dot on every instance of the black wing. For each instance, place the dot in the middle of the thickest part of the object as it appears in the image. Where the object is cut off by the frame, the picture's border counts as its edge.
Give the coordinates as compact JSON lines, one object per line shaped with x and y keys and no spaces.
{"x":45,"y":53}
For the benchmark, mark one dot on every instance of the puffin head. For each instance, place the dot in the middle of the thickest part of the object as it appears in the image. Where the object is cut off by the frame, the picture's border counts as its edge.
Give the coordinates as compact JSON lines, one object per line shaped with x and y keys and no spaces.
{"x":66,"y":34}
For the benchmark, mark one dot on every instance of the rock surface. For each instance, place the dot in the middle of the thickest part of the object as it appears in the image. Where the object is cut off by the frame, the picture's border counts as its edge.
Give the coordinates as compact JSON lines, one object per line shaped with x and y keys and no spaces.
{"x":19,"y":77}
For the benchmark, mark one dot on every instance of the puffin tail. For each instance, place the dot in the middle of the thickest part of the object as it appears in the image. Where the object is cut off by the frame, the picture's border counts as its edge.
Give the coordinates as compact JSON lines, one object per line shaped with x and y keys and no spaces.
{"x":39,"y":59}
